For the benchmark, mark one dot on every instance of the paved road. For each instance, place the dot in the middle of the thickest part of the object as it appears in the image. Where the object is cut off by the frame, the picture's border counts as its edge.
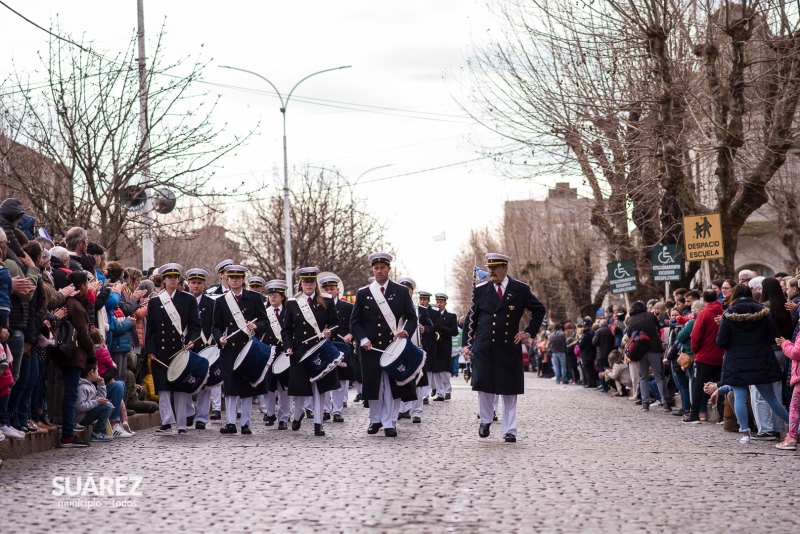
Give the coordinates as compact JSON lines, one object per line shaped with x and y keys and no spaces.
{"x":584,"y":462}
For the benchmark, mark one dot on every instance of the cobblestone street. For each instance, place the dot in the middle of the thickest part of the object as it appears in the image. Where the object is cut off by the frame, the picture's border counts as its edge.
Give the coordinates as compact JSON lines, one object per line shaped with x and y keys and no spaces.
{"x":584,"y":462}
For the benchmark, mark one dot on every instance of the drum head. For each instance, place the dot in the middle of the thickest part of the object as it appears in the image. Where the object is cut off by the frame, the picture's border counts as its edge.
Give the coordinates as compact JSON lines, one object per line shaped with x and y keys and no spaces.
{"x":281,"y":364}
{"x":393,"y":351}
{"x":243,"y":354}
{"x":211,"y":354}
{"x":177,"y":366}
{"x":315,"y":348}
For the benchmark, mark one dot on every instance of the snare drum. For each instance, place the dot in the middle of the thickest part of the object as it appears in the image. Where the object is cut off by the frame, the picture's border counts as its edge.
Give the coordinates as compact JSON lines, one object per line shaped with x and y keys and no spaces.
{"x":280,"y":368}
{"x":346,"y":351}
{"x":402,"y":361}
{"x":211,"y":353}
{"x":321,"y":359}
{"x":253,"y":361}
{"x":187,"y":372}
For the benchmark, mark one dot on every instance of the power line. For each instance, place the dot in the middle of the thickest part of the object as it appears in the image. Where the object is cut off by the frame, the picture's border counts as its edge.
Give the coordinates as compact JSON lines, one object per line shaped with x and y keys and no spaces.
{"x":29,"y":21}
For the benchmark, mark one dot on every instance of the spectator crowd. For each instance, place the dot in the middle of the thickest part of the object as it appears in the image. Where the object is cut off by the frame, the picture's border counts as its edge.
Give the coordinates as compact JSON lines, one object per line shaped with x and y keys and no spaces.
{"x":730,"y":349}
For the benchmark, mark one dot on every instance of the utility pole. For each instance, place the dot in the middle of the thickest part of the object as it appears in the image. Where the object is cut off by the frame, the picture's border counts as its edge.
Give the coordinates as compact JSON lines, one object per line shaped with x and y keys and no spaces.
{"x":148,"y":253}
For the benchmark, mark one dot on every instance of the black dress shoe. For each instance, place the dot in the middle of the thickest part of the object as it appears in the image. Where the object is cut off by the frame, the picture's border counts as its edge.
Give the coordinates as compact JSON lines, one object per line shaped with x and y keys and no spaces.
{"x":182,"y":432}
{"x":190,"y":420}
{"x":338,"y":418}
{"x":318,"y":430}
{"x":366,"y":403}
{"x":433,"y":393}
{"x":326,"y":416}
{"x":199,"y":425}
{"x":416,"y":420}
{"x":358,"y":398}
{"x":282,"y":425}
{"x":483,"y":431}
{"x":404,"y":415}
{"x":296,"y":423}
{"x":390,"y":432}
{"x":344,"y":404}
{"x":373,"y":428}
{"x":230,"y":428}
{"x":446,"y":396}
{"x":425,"y":401}
{"x":309,"y":413}
{"x":215,"y":415}
{"x":438,"y":398}
{"x":246,"y":430}
{"x":238,"y":416}
{"x":270,"y":419}
{"x":494,"y":416}
{"x":510,"y":438}
{"x":266,"y":418}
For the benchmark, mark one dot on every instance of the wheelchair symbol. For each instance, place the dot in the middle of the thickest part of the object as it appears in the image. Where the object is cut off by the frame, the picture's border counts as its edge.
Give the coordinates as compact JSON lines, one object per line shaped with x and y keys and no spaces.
{"x":620,"y":272}
{"x":664,"y":257}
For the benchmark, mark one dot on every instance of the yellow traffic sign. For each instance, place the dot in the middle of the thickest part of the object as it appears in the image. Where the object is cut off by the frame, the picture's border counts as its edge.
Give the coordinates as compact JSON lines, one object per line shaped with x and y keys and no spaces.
{"x":702,"y":237}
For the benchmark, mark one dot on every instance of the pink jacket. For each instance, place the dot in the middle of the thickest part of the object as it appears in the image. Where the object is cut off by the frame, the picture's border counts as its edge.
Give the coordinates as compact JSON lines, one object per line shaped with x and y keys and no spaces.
{"x":792,"y":351}
{"x":104,"y":361}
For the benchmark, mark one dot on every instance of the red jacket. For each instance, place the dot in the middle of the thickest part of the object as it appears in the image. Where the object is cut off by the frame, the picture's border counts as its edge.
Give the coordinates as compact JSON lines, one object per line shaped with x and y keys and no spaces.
{"x":704,"y":335}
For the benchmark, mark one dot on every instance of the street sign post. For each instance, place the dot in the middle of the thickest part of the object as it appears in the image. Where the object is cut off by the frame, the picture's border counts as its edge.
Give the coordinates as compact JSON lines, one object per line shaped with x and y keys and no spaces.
{"x":702,"y":236}
{"x":667,"y":263}
{"x":622,"y":276}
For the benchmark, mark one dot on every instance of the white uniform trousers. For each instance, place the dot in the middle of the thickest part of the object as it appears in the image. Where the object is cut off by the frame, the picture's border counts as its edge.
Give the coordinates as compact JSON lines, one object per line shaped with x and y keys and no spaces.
{"x":339,"y":396}
{"x":408,"y":406}
{"x":216,"y":398}
{"x":266,"y":403}
{"x":165,"y":408}
{"x":189,"y":406}
{"x":319,"y":400}
{"x":231,"y":402}
{"x":433,"y":382}
{"x":203,"y":405}
{"x":486,"y":406}
{"x":299,"y":406}
{"x":358,"y":388}
{"x":416,"y":409}
{"x":444,"y":384}
{"x":283,"y":405}
{"x":327,"y":401}
{"x":496,"y":401}
{"x":385,"y":409}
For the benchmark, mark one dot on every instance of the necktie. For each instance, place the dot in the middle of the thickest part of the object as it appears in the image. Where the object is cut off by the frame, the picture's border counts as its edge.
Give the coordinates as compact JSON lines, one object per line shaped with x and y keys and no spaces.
{"x":500,"y":291}
{"x":383,"y":290}
{"x":239,"y":297}
{"x":276,"y":312}
{"x":309,"y":301}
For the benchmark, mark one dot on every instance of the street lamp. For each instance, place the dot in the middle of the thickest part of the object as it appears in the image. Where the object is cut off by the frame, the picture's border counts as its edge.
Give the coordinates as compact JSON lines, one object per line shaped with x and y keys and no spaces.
{"x":287,"y":236}
{"x":370,"y":170}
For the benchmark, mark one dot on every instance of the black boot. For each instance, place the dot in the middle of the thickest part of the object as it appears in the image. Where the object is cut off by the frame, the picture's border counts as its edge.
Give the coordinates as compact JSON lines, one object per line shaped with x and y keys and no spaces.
{"x":318,"y":430}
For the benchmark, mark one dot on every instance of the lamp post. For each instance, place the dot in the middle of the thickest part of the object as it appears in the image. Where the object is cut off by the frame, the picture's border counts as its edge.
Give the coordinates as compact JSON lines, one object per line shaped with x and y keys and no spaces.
{"x":287,"y":235}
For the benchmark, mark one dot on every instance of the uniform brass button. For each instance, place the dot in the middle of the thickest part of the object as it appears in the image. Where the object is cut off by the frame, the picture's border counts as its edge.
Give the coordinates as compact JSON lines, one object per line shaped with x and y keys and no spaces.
{"x":495,"y":315}
{"x":493,"y":341}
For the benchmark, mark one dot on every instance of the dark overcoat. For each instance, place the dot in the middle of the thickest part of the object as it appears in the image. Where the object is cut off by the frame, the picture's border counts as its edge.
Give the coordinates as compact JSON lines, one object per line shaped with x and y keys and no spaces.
{"x":447,"y":328}
{"x":252,"y":308}
{"x":368,"y":322}
{"x":747,"y":333}
{"x":162,"y":339}
{"x":497,"y":360}
{"x":270,"y":338}
{"x":343,"y":311}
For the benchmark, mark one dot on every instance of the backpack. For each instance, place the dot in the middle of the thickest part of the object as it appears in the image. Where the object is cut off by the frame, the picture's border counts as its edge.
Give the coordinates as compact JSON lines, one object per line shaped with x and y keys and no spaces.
{"x":65,"y":338}
{"x":637,"y":346}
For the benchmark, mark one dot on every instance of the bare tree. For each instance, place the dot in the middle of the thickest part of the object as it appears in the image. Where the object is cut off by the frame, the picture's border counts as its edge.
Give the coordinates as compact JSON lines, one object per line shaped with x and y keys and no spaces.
{"x":331,"y":229}
{"x":84,"y":125}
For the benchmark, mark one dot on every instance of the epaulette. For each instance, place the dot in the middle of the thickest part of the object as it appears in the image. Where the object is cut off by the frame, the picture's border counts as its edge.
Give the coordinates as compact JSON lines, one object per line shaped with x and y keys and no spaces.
{"x":363,"y":287}
{"x":291,"y":300}
{"x":482,"y":283}
{"x":326,"y":295}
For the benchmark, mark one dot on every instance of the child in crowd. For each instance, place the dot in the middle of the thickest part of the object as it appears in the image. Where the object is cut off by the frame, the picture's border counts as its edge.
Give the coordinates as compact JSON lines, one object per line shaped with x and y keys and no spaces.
{"x":106,"y":367}
{"x":100,"y":403}
{"x":618,"y":373}
{"x":792,"y":351}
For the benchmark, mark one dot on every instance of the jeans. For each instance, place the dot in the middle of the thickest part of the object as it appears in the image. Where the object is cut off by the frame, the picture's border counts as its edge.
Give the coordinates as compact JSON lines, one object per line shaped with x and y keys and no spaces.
{"x":16,"y":344}
{"x":560,"y":367}
{"x":602,"y":365}
{"x":651,"y":360}
{"x":38,"y":398}
{"x":100,"y":414}
{"x":72,"y":376}
{"x":740,"y":404}
{"x":115,"y":392}
{"x":19,"y":402}
{"x":682,"y":381}
{"x":703,"y":373}
{"x":455,"y":366}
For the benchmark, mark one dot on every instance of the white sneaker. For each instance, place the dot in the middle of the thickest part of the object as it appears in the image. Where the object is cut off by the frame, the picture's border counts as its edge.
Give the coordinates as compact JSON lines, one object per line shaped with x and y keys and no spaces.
{"x":127,"y":429}
{"x":2,"y":436}
{"x":11,"y":432}
{"x":120,"y":432}
{"x":745,"y":440}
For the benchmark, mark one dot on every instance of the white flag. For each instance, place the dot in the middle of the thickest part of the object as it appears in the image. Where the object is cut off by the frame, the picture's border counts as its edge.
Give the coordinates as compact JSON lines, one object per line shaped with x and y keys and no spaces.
{"x":439,"y":237}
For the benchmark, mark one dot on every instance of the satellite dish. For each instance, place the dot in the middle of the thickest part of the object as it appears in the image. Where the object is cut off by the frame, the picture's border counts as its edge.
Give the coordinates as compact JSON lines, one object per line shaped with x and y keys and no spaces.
{"x":163,"y":200}
{"x":133,"y":197}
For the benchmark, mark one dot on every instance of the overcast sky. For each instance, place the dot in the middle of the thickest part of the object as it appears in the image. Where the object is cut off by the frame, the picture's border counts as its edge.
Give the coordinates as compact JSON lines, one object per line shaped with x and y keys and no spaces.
{"x":405,"y":55}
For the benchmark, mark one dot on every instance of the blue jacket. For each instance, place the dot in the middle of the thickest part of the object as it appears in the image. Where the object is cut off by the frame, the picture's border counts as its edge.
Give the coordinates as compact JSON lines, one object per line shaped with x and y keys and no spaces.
{"x":119,"y":333}
{"x":5,"y":296}
{"x":747,"y":333}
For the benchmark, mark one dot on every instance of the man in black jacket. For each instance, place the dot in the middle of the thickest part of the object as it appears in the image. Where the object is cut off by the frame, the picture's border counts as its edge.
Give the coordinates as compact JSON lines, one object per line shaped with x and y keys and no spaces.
{"x":447,"y":328}
{"x":604,"y":343}
{"x":642,"y":320}
{"x":429,"y":343}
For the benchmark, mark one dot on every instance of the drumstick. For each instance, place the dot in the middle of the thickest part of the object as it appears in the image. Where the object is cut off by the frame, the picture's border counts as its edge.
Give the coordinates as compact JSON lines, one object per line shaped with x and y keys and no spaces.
{"x":193,"y":341}
{"x":312,"y":338}
{"x":159,"y":361}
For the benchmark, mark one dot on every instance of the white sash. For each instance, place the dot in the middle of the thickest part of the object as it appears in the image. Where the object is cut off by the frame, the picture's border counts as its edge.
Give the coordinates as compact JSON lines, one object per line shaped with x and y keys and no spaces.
{"x":375,"y":289}
{"x":174,"y":316}
{"x":308,"y":313}
{"x":415,"y":338}
{"x":274,"y":323}
{"x":233,"y":306}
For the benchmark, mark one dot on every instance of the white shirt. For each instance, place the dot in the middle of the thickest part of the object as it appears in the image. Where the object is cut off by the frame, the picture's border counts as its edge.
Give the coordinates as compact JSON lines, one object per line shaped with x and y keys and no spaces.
{"x":503,"y":285}
{"x":279,"y":308}
{"x":365,"y":340}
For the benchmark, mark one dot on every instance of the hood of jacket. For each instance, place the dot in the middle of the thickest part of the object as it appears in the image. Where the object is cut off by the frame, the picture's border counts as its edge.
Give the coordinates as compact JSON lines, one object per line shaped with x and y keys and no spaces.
{"x":746,"y":314}
{"x":11,"y":208}
{"x":638,"y":307}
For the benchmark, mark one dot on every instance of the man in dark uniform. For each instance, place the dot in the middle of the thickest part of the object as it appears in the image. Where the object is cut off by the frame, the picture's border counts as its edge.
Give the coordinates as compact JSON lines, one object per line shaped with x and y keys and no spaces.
{"x":429,"y":344}
{"x":172,"y":324}
{"x":337,"y":399}
{"x":222,"y":286}
{"x":447,"y":329}
{"x":232,"y":339}
{"x":256,"y":285}
{"x":413,"y":409}
{"x":494,"y":345}
{"x":196,"y":278}
{"x":382,"y":312}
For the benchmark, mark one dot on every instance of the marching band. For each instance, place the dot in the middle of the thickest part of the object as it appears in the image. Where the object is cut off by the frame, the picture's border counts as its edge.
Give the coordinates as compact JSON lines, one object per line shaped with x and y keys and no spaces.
{"x":306,"y":350}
